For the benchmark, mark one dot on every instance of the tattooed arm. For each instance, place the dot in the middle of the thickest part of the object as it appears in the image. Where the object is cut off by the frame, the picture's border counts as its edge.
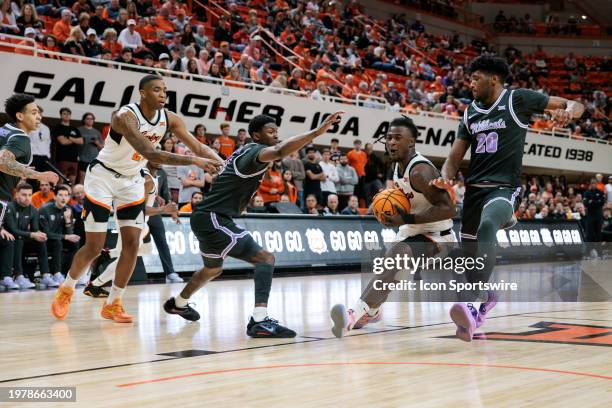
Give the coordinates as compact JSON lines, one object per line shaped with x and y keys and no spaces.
{"x":10,"y":165}
{"x":126,"y":124}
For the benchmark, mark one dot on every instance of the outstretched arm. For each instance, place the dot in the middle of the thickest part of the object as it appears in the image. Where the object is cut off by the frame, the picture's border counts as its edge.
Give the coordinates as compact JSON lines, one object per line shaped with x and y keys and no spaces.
{"x":177,"y":127}
{"x":126,"y":123}
{"x":451,"y":165}
{"x":10,"y":165}
{"x":295,"y":143}
{"x":563,"y":110}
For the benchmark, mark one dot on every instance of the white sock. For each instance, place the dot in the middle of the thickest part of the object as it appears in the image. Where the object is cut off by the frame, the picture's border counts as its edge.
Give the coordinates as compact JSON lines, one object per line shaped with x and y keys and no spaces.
{"x":372,"y":311}
{"x":115,"y":293}
{"x":360,"y":309}
{"x":69,"y":282}
{"x":180,"y":301}
{"x":107,"y":275}
{"x":260,"y":313}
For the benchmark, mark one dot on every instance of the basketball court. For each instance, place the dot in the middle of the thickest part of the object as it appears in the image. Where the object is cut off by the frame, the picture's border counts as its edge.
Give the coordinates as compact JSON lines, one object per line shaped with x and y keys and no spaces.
{"x":531,"y":355}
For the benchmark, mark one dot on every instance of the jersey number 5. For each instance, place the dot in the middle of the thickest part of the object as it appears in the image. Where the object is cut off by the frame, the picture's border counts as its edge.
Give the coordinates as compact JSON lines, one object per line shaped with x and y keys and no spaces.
{"x":486,"y":142}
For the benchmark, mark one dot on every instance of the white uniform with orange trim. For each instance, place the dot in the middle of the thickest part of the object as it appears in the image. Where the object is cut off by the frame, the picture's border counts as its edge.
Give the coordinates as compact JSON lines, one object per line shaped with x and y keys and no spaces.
{"x":419,"y":203}
{"x":115,"y":179}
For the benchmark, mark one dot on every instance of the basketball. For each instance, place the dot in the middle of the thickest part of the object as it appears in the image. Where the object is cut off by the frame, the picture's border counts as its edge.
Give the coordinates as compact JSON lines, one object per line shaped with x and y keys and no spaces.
{"x":384,"y":202}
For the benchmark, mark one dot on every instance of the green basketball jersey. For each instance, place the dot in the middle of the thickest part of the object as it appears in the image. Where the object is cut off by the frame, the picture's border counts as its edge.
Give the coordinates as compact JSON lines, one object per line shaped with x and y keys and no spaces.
{"x":15,"y":141}
{"x":236,"y":183}
{"x":497,"y":136}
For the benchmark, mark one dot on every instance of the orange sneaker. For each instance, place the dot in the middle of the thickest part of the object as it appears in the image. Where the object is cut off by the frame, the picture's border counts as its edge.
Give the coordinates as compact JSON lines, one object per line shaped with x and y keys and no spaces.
{"x":115,"y":312}
{"x":61,"y":302}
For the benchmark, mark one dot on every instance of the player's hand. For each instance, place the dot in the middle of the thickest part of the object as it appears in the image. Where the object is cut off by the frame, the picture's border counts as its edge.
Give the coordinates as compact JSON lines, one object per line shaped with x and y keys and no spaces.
{"x":67,"y":215}
{"x":38,"y":236}
{"x":72,"y":238}
{"x":160,"y":201}
{"x":49,"y":176}
{"x":441,"y":183}
{"x":329,"y":122}
{"x":394,"y":220}
{"x":212,"y":166}
{"x":176,"y":218}
{"x":170,"y":208}
{"x":560,"y":118}
{"x":4,"y":234}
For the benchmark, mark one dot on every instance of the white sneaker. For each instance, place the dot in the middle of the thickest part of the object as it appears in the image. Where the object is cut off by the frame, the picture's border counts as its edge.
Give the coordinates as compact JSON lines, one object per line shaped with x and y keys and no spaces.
{"x":174,"y":278}
{"x":24,"y":283}
{"x":59,"y":278}
{"x":83,"y":280}
{"x":48,"y":281}
{"x":9,"y":283}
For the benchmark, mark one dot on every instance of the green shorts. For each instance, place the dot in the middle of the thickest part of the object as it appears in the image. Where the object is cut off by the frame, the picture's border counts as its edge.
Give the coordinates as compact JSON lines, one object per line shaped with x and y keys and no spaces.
{"x":477,"y":198}
{"x":220,"y":237}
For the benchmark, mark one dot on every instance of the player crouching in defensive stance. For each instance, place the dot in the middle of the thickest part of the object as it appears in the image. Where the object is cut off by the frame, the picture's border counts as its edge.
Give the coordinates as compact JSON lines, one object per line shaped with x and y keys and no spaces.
{"x":429,"y":221}
{"x":219,"y":236}
{"x":95,"y":287}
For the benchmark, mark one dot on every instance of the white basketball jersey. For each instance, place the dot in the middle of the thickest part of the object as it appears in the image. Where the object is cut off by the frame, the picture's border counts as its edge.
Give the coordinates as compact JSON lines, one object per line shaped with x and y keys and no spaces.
{"x":119,"y":155}
{"x":418,"y":202}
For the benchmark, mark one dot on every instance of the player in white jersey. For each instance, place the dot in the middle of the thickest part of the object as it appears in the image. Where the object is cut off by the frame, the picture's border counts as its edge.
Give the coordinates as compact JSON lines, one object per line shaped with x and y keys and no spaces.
{"x":116,"y":180}
{"x":429,"y":221}
{"x":95,"y":287}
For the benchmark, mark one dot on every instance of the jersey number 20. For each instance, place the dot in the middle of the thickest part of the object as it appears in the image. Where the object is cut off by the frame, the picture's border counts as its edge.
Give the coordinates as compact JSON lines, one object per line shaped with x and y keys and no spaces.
{"x":486,"y":142}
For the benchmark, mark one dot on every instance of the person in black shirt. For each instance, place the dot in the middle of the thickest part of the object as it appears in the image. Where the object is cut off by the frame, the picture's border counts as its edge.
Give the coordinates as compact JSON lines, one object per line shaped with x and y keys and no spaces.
{"x":57,"y":222}
{"x":98,"y":22}
{"x":218,"y":234}
{"x":158,"y":47}
{"x":594,"y":200}
{"x":22,"y":222}
{"x":314,"y":174}
{"x":67,"y":142}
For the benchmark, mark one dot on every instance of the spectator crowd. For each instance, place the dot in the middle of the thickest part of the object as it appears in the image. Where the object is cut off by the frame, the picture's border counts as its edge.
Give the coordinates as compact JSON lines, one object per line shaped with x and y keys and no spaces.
{"x":321,"y":49}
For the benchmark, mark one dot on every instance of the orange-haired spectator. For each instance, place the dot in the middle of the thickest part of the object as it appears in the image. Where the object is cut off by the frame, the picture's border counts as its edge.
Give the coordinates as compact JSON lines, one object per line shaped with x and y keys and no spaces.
{"x":227,"y":144}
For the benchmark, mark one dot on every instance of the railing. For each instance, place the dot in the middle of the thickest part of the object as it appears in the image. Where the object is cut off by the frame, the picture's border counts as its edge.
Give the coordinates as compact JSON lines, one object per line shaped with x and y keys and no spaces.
{"x":361,"y":100}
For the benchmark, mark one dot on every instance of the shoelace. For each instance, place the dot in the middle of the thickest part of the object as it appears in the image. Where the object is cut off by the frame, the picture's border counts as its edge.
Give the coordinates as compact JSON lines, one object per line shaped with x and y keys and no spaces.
{"x":118,"y":308}
{"x":472,"y":310}
{"x":269,"y":320}
{"x":63,"y":297}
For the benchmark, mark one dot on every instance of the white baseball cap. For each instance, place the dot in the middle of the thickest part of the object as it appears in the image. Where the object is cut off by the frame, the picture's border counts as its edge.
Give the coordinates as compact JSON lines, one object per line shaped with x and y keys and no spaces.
{"x":164,"y":56}
{"x":92,"y":31}
{"x":131,"y":21}
{"x":30,"y":30}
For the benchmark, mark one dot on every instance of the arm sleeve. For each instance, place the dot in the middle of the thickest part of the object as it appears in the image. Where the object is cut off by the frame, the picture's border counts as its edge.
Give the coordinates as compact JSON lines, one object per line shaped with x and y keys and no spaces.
{"x":247,"y":163}
{"x":526,"y":102}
